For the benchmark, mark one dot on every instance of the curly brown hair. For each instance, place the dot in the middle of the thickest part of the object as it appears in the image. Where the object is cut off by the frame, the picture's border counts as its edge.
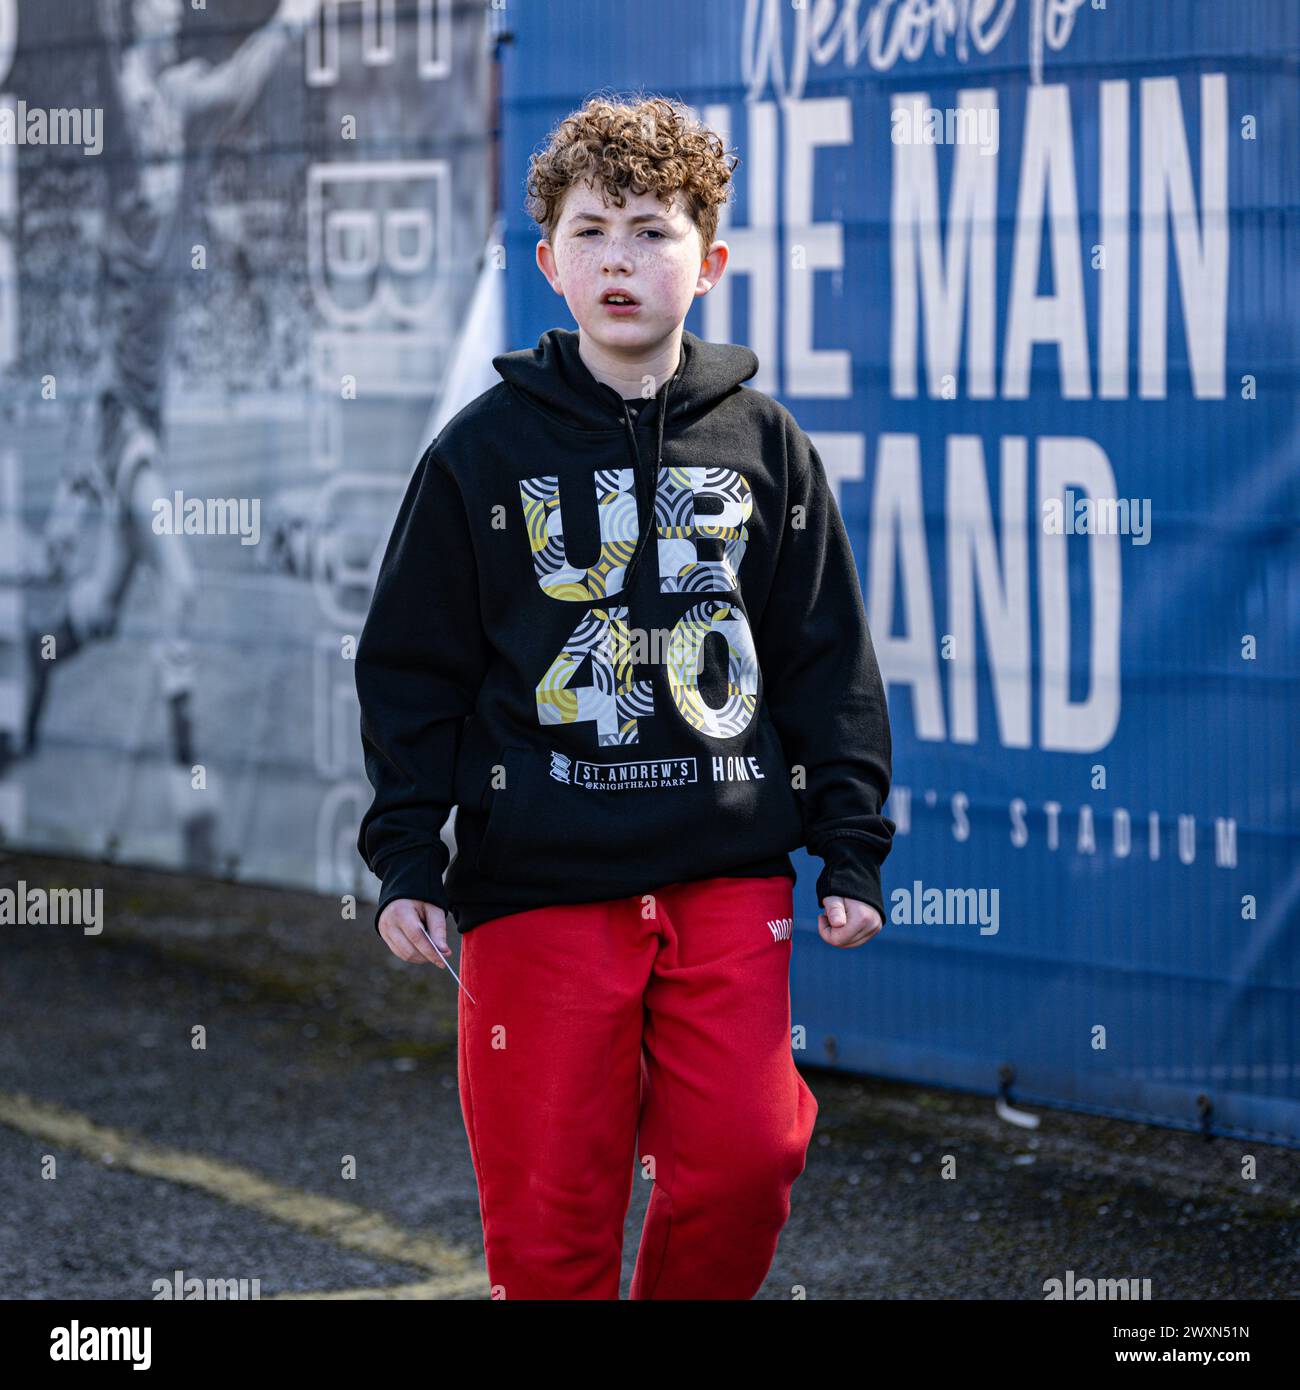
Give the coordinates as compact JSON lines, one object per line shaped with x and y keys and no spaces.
{"x":646,"y":144}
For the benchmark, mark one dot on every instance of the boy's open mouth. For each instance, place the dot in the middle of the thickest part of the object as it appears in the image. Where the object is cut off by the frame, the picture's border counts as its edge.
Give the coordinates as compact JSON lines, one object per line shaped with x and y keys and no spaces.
{"x":620,"y":301}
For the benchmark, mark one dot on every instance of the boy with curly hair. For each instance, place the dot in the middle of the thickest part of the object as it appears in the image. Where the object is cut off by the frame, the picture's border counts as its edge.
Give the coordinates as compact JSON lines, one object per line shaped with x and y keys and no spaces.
{"x":619,"y":629}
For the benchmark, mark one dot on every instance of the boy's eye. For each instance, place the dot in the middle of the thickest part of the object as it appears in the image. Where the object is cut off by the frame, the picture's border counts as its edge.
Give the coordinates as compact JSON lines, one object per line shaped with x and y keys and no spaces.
{"x":652,"y":231}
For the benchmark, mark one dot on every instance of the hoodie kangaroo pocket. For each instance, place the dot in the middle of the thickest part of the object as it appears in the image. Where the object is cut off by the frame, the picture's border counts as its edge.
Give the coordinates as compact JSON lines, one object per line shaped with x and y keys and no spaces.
{"x":501,"y":804}
{"x":549,"y":830}
{"x":541,"y":831}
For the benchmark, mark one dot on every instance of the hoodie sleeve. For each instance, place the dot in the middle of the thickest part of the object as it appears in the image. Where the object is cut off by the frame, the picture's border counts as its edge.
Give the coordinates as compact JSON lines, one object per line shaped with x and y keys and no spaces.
{"x":823,"y":688}
{"x":420,"y":662}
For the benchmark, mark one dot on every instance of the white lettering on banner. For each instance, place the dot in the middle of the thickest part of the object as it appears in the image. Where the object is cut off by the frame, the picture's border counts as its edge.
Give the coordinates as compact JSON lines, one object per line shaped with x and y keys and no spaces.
{"x":338,"y":867}
{"x":1202,"y":251}
{"x":897,"y":544}
{"x":1092,"y":722}
{"x":967,"y":264}
{"x":378,"y":251}
{"x":334,"y":709}
{"x":376,"y":232}
{"x":891,"y":30}
{"x":1003,"y":590}
{"x":379,"y":38}
{"x":1024,"y":827}
{"x":938,"y":262}
{"x":944,"y":302}
{"x":378,"y":258}
{"x":812,"y":371}
{"x":1084,"y":843}
{"x":379,"y":247}
{"x":1113,"y":214}
{"x":943,"y":260}
{"x":351,"y":511}
{"x":341,"y":585}
{"x":753,"y":267}
{"x":1047,"y":194}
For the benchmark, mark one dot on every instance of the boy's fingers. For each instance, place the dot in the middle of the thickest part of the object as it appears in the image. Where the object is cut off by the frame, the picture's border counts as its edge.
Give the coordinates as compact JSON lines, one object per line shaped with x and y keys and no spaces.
{"x":394,"y":938}
{"x":836,"y":915}
{"x":435,"y":923}
{"x":407,"y":921}
{"x":833,"y":936}
{"x":846,"y":936}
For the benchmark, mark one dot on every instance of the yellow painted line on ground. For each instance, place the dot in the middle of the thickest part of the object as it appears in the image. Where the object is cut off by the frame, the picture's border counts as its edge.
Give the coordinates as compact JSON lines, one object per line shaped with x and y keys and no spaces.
{"x":343,"y":1223}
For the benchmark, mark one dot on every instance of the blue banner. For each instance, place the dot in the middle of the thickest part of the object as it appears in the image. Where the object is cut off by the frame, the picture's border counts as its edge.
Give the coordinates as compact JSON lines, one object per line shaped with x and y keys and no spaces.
{"x":1027,"y":274}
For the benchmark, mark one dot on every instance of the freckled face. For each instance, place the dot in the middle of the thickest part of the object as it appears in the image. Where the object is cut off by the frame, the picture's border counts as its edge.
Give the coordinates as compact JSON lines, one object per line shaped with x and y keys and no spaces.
{"x":650,"y":251}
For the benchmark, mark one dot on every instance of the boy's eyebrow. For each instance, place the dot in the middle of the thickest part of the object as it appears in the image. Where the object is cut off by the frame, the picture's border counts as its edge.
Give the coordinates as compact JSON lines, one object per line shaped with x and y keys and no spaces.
{"x":600,"y":217}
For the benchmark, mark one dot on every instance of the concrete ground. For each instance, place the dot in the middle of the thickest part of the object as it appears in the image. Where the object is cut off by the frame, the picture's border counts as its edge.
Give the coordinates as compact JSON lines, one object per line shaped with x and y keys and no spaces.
{"x":316,"y":1143}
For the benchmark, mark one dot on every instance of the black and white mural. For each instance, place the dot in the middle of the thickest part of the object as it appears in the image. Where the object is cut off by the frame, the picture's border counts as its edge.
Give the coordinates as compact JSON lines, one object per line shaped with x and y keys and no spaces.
{"x":238,"y":241}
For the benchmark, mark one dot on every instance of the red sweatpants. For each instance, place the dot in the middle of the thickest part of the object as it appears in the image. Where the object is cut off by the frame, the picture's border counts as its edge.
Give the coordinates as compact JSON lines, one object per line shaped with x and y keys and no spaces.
{"x":634,"y":1040}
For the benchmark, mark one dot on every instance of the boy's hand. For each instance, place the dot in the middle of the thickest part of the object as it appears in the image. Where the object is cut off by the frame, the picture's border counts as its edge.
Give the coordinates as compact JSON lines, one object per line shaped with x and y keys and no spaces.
{"x":850,"y":922}
{"x":399,"y":925}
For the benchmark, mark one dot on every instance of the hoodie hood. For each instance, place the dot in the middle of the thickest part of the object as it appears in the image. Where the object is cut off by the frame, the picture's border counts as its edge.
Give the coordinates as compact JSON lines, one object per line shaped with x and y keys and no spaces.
{"x":555,"y":379}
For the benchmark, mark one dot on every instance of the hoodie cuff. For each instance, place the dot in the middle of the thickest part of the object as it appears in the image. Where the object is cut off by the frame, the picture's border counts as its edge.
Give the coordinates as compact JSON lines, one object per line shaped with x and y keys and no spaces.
{"x":412,"y":873}
{"x":851,"y":871}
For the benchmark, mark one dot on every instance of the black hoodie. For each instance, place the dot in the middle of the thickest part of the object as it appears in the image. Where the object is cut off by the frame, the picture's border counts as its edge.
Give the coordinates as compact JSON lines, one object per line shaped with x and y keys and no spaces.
{"x":631,"y":651}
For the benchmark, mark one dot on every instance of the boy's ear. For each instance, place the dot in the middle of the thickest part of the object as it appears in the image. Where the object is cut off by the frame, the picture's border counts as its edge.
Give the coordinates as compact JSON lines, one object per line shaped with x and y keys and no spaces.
{"x":712,"y":267}
{"x":545,"y":256}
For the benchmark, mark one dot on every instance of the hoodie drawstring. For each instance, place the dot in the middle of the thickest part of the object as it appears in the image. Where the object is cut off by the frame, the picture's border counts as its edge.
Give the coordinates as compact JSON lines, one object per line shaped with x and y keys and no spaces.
{"x":648,"y":524}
